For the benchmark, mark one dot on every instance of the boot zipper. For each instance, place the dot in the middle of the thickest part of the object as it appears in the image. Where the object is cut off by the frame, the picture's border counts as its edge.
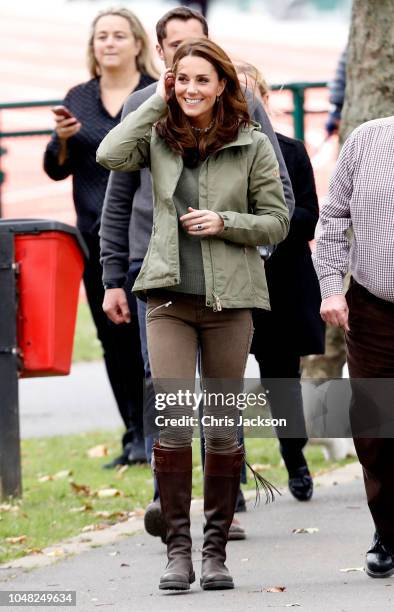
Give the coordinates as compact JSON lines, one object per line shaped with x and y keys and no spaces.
{"x":166,"y":305}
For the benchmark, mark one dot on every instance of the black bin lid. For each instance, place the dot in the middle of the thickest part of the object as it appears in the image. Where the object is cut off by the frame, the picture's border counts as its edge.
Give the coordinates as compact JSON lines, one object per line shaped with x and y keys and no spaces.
{"x":37,"y":226}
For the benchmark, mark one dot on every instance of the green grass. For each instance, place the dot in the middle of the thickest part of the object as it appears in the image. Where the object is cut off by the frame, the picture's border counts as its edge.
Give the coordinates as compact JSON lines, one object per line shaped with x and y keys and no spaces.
{"x":44,"y":514}
{"x":87,"y":346}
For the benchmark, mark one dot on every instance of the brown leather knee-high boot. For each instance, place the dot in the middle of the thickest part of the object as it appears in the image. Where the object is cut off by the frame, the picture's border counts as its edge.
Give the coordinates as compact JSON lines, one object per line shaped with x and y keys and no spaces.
{"x":173,"y":470}
{"x":221,"y":484}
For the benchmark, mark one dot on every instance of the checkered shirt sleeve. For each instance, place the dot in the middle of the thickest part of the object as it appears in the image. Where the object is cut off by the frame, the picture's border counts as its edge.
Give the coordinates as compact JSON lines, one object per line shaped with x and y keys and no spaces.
{"x":361,"y":197}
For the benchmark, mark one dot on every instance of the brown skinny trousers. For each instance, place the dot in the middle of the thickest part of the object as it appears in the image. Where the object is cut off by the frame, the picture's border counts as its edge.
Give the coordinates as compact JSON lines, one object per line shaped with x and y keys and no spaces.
{"x":178,"y":326}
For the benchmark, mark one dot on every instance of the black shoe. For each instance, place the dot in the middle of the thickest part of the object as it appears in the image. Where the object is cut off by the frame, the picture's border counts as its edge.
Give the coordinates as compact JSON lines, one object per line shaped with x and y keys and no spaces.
{"x":301,"y":483}
{"x":154,"y":521}
{"x":241,"y":504}
{"x":133,"y":452}
{"x":379,"y":560}
{"x":136,"y":451}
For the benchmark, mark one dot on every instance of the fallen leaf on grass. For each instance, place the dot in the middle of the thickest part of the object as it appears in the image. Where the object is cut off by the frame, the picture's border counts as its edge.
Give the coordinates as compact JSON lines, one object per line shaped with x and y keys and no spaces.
{"x":45,"y":478}
{"x":56,"y":552}
{"x":275,"y":589}
{"x":104,"y":493}
{"x":95,"y":527}
{"x":261,"y":467}
{"x":62,"y":474}
{"x":85,"y":508}
{"x":121,"y":469}
{"x":9,"y":508}
{"x":106,"y":514}
{"x":306,"y":530}
{"x":101,"y":450}
{"x":16,"y":539}
{"x":352,"y":569}
{"x":80,"y":489}
{"x":33,"y":551}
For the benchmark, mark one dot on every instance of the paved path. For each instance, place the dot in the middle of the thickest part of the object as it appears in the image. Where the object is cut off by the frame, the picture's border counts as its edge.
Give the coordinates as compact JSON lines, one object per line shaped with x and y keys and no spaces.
{"x":123,"y":576}
{"x":82,"y":401}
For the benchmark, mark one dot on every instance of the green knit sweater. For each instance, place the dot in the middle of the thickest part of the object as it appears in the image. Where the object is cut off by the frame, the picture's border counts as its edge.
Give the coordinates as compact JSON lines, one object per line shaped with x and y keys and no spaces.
{"x":190,"y":257}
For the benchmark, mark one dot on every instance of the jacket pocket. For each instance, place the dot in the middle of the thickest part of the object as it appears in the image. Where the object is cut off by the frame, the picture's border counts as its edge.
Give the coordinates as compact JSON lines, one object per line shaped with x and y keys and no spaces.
{"x":151,"y":311}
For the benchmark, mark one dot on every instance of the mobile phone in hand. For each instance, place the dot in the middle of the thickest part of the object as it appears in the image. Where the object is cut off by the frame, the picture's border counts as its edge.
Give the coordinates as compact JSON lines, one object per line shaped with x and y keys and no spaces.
{"x":63,"y":112}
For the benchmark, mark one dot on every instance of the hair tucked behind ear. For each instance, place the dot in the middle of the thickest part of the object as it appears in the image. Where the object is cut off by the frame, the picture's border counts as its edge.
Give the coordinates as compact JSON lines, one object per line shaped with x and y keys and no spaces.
{"x":229,"y":113}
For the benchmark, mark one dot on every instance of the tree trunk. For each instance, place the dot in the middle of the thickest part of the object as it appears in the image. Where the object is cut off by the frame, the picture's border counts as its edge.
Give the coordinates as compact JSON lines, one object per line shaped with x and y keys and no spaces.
{"x":370,"y":65}
{"x":369,"y":95}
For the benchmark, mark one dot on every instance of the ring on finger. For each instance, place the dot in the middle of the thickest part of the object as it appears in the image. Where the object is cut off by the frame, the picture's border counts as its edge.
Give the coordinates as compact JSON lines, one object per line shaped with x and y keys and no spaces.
{"x":199,"y":227}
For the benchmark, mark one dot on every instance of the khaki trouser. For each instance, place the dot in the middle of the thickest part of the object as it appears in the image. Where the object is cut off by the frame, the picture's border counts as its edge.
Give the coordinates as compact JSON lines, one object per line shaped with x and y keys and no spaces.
{"x":178,"y":326}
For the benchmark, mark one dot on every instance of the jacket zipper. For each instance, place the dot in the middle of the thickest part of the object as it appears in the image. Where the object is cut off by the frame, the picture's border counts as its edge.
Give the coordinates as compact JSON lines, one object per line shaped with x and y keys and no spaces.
{"x":166,"y":305}
{"x":248,"y":269}
{"x":217,"y":306}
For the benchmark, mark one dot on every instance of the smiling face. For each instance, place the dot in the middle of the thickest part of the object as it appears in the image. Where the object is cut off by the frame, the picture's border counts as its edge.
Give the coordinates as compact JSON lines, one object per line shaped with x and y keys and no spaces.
{"x":114,"y":44}
{"x":197,"y":86}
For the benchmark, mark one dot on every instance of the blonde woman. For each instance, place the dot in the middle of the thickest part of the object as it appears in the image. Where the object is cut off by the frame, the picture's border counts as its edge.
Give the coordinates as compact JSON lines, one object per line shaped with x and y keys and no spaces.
{"x":119,"y":63}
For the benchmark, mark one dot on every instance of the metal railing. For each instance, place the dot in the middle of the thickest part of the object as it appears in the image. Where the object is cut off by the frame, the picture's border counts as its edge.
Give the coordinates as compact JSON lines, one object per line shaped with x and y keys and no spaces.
{"x":298,"y":113}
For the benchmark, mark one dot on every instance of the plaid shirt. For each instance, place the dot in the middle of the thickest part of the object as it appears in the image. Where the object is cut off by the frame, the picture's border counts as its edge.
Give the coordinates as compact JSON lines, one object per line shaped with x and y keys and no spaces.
{"x":361,"y":197}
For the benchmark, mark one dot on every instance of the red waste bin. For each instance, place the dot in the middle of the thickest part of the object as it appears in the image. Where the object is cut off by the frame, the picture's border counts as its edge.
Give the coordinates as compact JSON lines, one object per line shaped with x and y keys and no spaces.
{"x":50,"y":258}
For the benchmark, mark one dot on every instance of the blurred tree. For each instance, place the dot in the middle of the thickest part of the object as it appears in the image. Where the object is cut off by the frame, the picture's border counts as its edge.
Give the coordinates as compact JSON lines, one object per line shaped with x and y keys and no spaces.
{"x":370,"y":65}
{"x":369,"y":94}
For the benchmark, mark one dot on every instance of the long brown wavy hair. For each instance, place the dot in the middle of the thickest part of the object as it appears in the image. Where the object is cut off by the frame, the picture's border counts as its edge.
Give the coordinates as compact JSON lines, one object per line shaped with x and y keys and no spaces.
{"x":229,"y":113}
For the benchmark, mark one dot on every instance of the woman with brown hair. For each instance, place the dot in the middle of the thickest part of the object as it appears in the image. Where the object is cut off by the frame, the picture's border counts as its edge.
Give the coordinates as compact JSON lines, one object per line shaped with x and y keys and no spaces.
{"x":119,"y":62}
{"x":217,"y":196}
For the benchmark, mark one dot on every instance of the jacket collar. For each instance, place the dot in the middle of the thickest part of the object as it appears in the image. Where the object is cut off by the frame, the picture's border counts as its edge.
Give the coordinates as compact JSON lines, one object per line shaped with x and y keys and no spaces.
{"x":244,"y":136}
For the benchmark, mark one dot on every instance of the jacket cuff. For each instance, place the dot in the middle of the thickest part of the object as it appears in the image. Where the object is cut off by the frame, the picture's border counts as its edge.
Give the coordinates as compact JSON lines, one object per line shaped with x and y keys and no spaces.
{"x":113,"y":284}
{"x":114,"y":277}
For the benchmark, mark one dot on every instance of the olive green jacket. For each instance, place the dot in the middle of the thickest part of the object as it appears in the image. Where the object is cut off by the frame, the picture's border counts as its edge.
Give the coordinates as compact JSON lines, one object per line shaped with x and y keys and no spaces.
{"x":240,"y":182}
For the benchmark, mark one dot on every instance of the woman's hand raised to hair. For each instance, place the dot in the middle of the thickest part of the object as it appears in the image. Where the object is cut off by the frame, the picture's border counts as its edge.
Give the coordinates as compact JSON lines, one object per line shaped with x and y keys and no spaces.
{"x":202,"y":223}
{"x":165,"y":84}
